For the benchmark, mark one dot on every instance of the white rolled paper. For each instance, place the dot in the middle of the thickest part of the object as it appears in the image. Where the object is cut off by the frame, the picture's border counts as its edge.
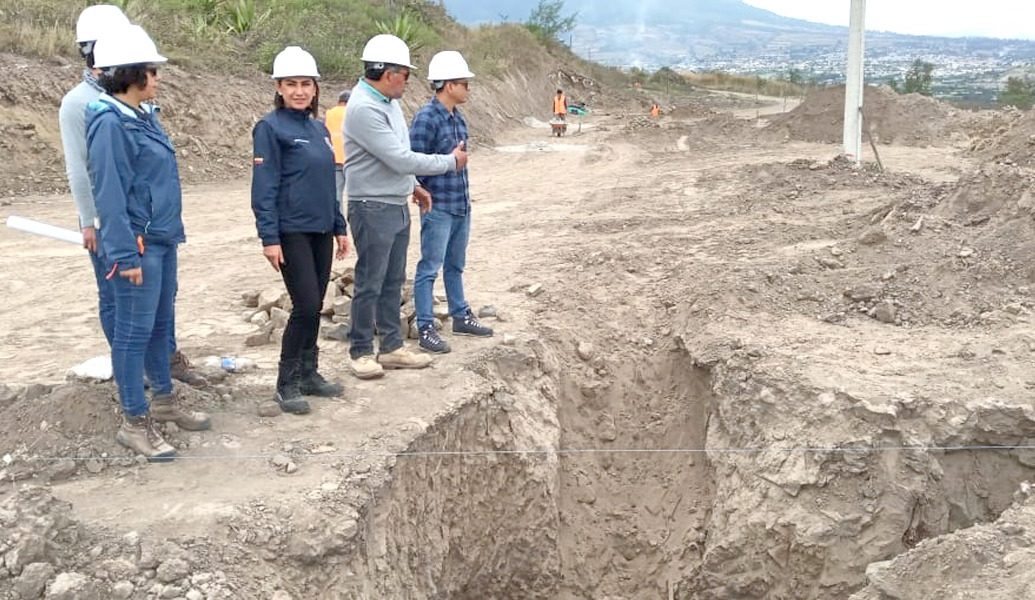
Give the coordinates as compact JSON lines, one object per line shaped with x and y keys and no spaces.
{"x":51,"y":231}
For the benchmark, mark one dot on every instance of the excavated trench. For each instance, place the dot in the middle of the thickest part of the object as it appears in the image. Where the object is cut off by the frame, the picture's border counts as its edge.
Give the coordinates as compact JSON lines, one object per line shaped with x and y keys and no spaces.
{"x":558,"y":482}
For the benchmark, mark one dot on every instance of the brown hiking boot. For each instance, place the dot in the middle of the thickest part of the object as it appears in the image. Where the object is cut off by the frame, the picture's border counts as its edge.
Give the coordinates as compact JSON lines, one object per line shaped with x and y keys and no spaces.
{"x":165,"y":409}
{"x":140,"y":435}
{"x":181,"y":370}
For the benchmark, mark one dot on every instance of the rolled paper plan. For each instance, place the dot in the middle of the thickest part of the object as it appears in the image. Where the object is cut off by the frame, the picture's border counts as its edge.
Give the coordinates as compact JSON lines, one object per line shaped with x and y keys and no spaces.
{"x":51,"y":231}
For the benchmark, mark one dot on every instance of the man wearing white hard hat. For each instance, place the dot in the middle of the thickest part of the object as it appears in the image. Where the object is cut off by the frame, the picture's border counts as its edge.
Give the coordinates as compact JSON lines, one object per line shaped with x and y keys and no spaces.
{"x":136,"y":190}
{"x":380,"y":170}
{"x":445,"y":229}
{"x":298,"y":217}
{"x":93,"y":23}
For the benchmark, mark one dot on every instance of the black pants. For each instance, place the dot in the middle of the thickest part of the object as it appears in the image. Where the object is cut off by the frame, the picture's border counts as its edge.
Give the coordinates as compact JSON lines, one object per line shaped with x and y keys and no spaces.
{"x":306,"y":271}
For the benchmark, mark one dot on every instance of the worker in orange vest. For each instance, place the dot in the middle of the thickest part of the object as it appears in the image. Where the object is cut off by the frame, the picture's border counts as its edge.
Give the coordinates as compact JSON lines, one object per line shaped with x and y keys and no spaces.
{"x":655,"y":110}
{"x":560,"y":104}
{"x":335,"y":122}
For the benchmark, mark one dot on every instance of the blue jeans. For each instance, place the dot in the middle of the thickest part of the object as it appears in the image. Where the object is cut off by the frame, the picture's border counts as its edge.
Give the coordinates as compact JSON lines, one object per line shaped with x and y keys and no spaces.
{"x":381,"y":233}
{"x":105,"y":297}
{"x":144,"y":323}
{"x":443,"y":245}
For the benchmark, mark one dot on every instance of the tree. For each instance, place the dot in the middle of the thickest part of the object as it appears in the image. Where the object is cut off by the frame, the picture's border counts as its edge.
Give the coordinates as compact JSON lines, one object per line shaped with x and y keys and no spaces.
{"x":1019,"y":93}
{"x":546,"y":20}
{"x":918,"y":78}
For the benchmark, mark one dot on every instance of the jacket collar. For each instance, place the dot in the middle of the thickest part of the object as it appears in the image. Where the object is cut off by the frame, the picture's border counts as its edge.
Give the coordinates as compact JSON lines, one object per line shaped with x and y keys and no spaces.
{"x":127,"y":110}
{"x":373,"y":91}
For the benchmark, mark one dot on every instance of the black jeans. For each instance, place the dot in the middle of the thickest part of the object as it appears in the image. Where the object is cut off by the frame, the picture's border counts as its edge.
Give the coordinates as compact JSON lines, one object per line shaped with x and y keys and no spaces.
{"x":381,"y":232}
{"x":306,"y":271}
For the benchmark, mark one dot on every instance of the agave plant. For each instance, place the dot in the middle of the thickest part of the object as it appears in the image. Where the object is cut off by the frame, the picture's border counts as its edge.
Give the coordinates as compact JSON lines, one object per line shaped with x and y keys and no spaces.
{"x":404,"y":27}
{"x":243,"y":16}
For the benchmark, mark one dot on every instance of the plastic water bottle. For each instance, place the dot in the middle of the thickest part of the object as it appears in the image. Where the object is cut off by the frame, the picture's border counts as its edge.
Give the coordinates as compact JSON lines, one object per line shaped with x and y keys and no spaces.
{"x":236,"y":364}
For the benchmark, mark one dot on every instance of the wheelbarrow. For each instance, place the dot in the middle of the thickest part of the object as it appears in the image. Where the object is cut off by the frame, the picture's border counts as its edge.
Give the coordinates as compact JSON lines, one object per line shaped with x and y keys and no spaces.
{"x":558,"y":127}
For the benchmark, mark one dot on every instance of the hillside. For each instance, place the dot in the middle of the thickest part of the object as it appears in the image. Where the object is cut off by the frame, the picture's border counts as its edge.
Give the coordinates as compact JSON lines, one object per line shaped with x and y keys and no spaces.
{"x":217,"y":85}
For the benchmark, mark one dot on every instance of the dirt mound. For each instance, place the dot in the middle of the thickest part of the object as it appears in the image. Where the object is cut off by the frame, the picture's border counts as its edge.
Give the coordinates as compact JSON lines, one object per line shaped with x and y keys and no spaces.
{"x":909,"y":119}
{"x":1009,"y":138}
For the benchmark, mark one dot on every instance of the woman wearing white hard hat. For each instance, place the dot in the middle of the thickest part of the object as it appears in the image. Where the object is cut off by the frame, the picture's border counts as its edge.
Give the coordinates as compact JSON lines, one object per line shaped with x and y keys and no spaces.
{"x":298,"y":218}
{"x":136,"y":189}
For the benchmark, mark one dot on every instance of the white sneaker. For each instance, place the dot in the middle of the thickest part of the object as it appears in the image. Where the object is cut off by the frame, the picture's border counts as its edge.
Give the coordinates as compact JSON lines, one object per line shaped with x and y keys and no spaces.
{"x":403,"y":359}
{"x":365,"y":367}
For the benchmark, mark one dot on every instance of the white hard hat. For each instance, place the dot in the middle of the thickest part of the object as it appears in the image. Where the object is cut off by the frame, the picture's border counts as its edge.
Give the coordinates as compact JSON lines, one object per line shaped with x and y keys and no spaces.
{"x":388,"y":49}
{"x":447,"y":65}
{"x":129,"y":45}
{"x":294,"y":62}
{"x":98,"y":19}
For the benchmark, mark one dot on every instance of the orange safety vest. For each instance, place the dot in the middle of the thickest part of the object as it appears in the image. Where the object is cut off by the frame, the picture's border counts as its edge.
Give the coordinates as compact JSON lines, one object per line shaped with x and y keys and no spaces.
{"x":560,"y":105}
{"x":334,"y":121}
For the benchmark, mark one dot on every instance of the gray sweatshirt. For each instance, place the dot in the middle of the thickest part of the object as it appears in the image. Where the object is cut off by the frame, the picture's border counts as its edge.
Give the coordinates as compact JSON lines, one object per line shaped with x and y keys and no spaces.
{"x":72,"y":119}
{"x":379,"y":164}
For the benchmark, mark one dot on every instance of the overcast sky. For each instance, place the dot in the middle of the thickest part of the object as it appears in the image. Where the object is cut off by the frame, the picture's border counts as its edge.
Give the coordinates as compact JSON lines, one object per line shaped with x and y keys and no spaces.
{"x":991,"y":18}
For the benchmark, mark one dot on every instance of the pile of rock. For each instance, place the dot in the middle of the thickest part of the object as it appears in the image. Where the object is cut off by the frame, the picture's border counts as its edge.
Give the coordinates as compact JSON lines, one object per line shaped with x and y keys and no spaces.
{"x":269,"y":310}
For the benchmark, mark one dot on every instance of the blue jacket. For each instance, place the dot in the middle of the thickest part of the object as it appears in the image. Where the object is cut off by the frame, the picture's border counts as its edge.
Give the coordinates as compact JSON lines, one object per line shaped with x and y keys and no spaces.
{"x":135,"y":179}
{"x":293,"y":187}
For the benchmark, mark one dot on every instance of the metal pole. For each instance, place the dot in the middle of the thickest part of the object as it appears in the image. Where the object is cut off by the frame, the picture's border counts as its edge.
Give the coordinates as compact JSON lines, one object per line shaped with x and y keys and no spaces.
{"x":854,"y":82}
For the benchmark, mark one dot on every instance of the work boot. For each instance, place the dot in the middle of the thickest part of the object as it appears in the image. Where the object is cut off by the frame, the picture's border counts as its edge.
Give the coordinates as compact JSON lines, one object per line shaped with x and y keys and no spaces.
{"x":429,"y":340}
{"x":468,"y":324}
{"x":165,"y":409}
{"x":140,"y":434}
{"x":180,"y":369}
{"x":403,"y":359}
{"x":289,"y":396}
{"x":365,"y":367}
{"x":311,"y":383}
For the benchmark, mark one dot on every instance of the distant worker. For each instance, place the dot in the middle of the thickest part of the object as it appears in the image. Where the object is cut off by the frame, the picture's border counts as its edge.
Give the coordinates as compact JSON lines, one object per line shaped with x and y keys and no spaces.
{"x":444,"y":230}
{"x":335,"y":121}
{"x":298,"y":219}
{"x":560,"y":105}
{"x":136,"y":189}
{"x":655,"y":110}
{"x":94,"y":22}
{"x":380,"y":171}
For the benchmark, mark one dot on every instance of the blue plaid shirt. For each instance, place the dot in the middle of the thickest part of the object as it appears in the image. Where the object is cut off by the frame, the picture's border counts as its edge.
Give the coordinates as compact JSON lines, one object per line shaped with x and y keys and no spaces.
{"x":435,"y":130}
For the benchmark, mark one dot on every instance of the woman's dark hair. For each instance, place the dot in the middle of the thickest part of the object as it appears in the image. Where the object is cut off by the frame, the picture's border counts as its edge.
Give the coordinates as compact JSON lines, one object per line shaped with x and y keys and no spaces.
{"x":119,"y":79}
{"x":314,"y":106}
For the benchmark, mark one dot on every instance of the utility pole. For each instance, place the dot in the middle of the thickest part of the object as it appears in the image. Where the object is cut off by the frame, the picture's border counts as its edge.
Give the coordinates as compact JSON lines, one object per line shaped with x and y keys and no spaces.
{"x":854,"y":82}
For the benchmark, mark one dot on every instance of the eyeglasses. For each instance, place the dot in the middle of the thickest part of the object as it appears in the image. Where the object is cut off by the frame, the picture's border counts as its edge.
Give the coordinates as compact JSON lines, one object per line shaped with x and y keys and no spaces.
{"x":466,"y":84}
{"x":404,"y":72}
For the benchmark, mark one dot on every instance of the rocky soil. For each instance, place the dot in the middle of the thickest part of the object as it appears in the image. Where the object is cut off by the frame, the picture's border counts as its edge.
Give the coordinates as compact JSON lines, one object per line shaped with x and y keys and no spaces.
{"x":728,"y":365}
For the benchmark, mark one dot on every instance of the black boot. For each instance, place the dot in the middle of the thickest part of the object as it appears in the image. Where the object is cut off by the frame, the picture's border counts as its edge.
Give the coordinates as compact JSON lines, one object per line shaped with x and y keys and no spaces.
{"x":311,"y":383}
{"x":289,"y":397}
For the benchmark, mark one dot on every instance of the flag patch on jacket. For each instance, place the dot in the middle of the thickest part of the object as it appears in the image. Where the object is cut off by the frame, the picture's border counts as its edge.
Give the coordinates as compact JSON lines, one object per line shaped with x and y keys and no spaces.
{"x":257,"y":161}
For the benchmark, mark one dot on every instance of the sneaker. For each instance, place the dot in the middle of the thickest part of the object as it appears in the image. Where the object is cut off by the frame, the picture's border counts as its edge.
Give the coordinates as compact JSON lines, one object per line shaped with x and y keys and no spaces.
{"x":429,"y":340}
{"x":403,"y":359}
{"x":164,"y":409}
{"x":366,"y":367}
{"x":140,"y":435}
{"x":180,"y":369}
{"x":468,"y":324}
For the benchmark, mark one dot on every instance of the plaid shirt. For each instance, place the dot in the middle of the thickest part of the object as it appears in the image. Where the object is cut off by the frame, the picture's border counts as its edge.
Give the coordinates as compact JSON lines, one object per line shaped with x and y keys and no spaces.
{"x":435,"y":130}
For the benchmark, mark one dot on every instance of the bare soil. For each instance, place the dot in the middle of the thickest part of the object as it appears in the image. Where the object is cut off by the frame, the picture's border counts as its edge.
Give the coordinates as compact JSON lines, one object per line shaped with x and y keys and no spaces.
{"x":727,"y":388}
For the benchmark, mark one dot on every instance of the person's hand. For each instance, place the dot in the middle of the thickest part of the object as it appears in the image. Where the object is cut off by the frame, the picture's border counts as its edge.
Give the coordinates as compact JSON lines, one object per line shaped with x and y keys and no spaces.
{"x":135,"y":276}
{"x":343,"y":246}
{"x":461,"y":155}
{"x":275,"y":255}
{"x":90,"y":239}
{"x":422,"y":198}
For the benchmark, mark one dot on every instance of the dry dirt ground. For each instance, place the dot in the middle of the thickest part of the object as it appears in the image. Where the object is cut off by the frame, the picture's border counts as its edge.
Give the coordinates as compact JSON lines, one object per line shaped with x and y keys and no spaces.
{"x":727,"y":388}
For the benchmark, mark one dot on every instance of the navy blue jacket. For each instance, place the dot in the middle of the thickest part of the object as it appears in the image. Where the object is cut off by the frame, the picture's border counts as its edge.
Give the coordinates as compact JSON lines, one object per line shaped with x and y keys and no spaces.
{"x":293,"y":189}
{"x":135,"y":180}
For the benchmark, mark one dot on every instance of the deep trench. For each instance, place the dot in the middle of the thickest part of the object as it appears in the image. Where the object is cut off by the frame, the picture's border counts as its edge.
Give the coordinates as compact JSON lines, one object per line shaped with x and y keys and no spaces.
{"x":582,"y":515}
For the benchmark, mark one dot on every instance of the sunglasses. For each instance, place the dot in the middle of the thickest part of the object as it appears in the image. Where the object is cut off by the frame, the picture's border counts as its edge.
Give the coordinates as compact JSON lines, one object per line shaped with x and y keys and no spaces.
{"x":404,"y":72}
{"x":465,"y":84}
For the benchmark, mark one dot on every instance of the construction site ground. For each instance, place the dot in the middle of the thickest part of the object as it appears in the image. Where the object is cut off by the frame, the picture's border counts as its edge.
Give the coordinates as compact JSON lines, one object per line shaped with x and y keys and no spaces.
{"x":723,"y":362}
